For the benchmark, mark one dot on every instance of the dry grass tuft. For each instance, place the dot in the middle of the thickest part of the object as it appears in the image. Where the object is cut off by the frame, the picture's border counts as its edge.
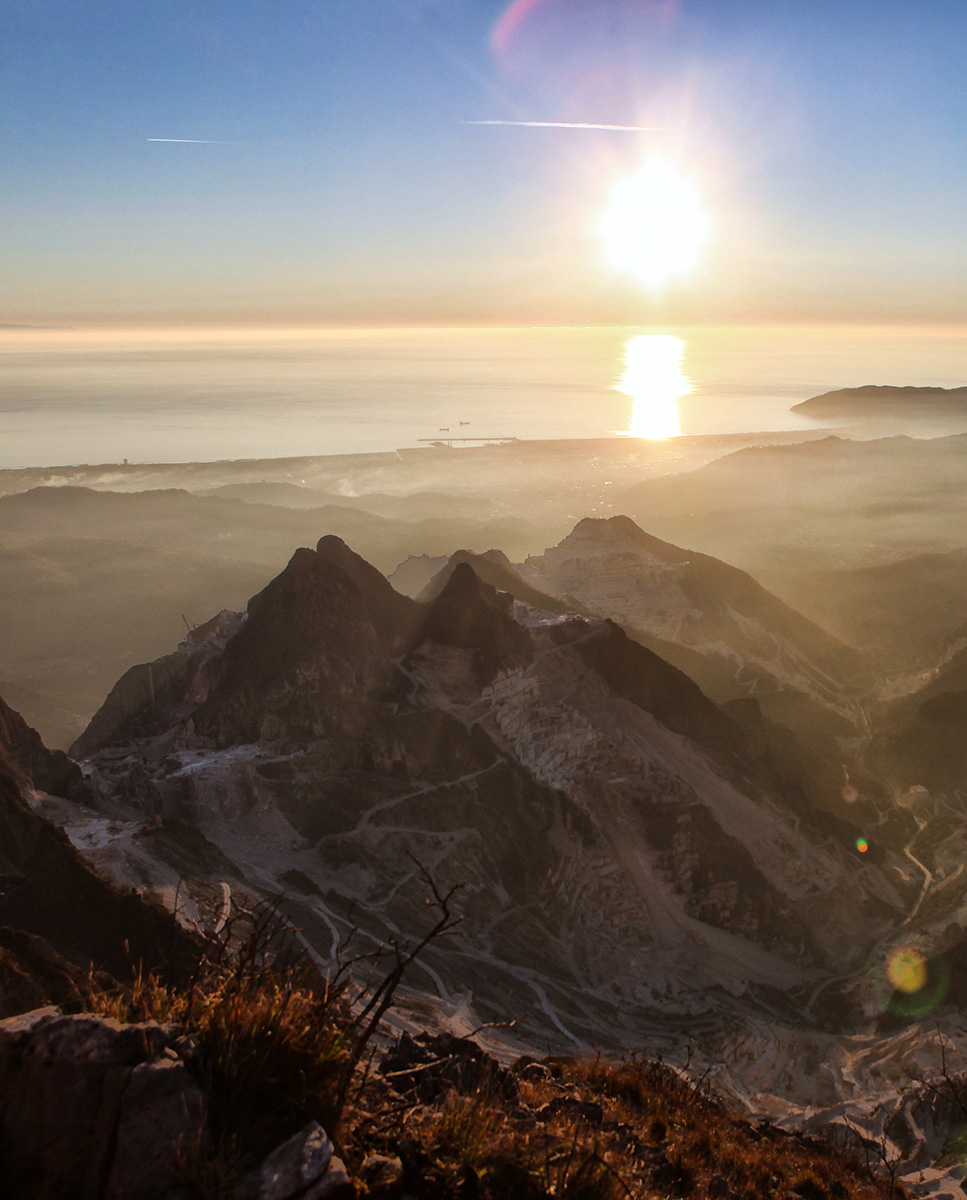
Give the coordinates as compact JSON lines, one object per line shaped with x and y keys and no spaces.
{"x":266,"y":1034}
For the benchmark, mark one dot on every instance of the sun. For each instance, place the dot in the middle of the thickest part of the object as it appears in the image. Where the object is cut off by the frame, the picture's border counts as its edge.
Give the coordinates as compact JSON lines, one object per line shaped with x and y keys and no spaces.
{"x":654,"y":225}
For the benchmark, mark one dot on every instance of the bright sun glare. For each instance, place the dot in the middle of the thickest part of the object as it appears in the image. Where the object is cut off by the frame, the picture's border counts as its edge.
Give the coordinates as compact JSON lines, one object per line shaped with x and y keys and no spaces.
{"x":653,"y":379}
{"x":654,"y":225}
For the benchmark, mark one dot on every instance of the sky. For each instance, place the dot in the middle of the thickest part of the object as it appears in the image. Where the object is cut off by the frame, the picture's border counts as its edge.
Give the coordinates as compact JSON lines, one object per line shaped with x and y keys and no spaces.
{"x":333,"y":170}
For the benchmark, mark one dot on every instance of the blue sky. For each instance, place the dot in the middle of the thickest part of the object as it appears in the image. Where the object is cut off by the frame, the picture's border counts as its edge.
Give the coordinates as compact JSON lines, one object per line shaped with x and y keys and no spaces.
{"x":338,"y":180}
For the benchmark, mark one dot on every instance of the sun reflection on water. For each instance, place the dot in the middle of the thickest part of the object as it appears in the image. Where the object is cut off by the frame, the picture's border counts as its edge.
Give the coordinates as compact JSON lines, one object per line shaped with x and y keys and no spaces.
{"x":653,"y":379}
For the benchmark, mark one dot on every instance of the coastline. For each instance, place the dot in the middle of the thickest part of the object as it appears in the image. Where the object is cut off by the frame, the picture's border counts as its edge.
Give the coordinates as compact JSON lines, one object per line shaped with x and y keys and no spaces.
{"x":409,"y":468}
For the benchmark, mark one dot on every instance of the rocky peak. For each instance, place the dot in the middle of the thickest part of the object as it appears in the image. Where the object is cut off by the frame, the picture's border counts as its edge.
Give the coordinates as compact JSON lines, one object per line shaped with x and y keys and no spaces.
{"x":711,"y":620}
{"x":308,"y":647}
{"x":620,"y":532}
{"x":150,"y":697}
{"x":24,"y":751}
{"x":393,"y":615}
{"x":469,"y":614}
{"x":495,"y":569}
{"x":315,"y":640}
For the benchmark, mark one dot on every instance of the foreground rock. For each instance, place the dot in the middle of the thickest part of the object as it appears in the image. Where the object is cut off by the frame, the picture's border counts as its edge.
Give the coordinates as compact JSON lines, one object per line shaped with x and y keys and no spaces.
{"x":94,"y":1110}
{"x":90,"y":1108}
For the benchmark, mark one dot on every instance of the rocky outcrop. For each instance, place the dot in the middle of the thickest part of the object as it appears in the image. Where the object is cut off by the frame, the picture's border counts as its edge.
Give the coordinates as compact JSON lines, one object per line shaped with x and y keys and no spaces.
{"x":393,"y":616}
{"x":149,"y":697}
{"x":23,"y":751}
{"x":471,"y":615}
{"x":33,"y":974}
{"x":298,"y":661}
{"x":415,"y":572}
{"x":305,"y":662}
{"x":94,"y":1110}
{"x":496,"y":569}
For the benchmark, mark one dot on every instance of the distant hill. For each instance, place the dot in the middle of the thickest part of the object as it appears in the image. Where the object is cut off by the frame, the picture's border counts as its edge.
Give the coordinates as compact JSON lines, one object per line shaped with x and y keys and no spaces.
{"x":901,"y":613}
{"x":821,"y":504}
{"x":873,"y":396}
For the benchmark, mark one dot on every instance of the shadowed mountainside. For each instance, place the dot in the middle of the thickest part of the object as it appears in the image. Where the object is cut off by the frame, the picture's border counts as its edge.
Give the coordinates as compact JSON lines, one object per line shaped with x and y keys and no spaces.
{"x":49,"y":893}
{"x":92,"y":582}
{"x":902,"y":614}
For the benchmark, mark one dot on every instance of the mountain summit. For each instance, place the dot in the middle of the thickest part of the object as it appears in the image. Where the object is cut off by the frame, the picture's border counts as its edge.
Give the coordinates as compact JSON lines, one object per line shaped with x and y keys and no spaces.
{"x":710,"y":619}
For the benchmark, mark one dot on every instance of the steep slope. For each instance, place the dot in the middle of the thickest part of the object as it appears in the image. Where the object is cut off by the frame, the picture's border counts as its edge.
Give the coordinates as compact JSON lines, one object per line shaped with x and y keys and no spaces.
{"x":51,"y":895}
{"x":627,"y":860}
{"x":713,"y":621}
{"x":920,"y":738}
{"x":24,"y":755}
{"x":415,"y":572}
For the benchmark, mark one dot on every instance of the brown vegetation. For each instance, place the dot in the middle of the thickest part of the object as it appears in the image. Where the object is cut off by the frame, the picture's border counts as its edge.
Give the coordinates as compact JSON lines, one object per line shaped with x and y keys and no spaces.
{"x":276,"y":1044}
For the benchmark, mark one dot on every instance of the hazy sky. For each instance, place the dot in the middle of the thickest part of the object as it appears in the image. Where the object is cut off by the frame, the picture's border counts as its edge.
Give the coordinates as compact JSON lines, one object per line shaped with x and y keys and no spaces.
{"x":337,"y":179}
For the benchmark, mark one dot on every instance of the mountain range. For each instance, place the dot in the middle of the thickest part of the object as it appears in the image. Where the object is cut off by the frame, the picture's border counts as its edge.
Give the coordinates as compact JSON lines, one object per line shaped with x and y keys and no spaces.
{"x":678,"y":812}
{"x":631,"y":856}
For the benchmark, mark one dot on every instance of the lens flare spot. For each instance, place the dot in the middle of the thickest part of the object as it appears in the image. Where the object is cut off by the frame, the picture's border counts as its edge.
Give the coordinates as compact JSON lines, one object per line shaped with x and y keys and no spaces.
{"x":653,"y":226}
{"x":513,"y":16}
{"x":862,"y":845}
{"x":907,"y":970}
{"x":956,"y":1146}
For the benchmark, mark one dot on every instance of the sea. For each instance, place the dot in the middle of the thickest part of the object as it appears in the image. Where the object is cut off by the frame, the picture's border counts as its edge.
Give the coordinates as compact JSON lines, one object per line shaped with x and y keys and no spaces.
{"x":105,"y":396}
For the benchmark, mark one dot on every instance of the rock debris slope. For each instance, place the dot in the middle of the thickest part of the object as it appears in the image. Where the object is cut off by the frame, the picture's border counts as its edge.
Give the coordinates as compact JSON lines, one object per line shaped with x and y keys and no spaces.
{"x":628,"y":861}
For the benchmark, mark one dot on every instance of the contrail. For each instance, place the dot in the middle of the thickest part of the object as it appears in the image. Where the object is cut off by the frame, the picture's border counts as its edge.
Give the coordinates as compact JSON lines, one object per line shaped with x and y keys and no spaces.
{"x":571,"y":125}
{"x":194,"y":141}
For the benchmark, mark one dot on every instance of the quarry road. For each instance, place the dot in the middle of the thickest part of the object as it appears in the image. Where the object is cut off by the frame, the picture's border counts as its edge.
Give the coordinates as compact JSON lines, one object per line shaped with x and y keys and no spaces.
{"x":385,"y":805}
{"x":226,"y":908}
{"x":928,"y":878}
